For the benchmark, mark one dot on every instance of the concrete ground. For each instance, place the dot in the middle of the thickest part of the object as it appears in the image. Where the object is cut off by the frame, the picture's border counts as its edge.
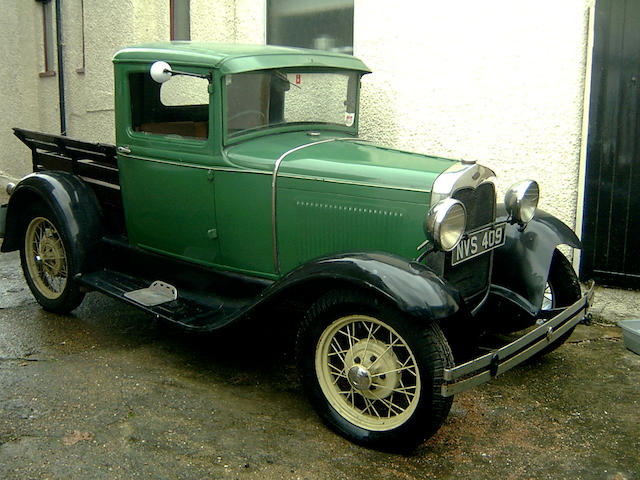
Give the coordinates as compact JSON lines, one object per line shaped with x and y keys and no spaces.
{"x":108,"y":393}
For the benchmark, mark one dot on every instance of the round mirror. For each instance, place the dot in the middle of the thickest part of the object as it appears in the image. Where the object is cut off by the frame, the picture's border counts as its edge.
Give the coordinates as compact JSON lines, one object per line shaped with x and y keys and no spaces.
{"x":160,"y":71}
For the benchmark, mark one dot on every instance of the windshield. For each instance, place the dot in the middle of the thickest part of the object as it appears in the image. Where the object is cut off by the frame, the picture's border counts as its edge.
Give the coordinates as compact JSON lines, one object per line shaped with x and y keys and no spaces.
{"x":257,"y":100}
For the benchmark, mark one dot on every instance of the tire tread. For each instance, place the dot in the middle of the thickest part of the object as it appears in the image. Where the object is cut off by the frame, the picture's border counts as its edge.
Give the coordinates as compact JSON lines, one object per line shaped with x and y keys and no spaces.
{"x":428,"y":345}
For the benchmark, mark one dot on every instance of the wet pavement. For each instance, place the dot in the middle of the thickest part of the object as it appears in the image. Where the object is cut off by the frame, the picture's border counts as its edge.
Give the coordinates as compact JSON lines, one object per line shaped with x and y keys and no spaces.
{"x":109,"y":393}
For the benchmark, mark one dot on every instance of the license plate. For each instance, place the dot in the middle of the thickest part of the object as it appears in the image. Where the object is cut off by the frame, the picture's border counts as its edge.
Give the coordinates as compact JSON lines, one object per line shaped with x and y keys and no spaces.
{"x":479,"y":242}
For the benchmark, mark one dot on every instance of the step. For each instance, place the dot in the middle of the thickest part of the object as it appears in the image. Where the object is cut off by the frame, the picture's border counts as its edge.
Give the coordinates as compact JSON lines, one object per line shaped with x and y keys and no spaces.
{"x":190,"y":310}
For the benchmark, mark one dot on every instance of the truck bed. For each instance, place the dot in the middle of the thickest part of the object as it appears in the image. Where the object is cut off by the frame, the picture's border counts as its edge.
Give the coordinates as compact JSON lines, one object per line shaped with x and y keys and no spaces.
{"x":95,"y":163}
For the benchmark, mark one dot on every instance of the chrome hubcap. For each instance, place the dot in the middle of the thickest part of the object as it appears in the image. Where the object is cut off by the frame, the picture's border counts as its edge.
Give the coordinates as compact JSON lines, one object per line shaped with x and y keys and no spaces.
{"x":359,"y":377}
{"x":380,"y":364}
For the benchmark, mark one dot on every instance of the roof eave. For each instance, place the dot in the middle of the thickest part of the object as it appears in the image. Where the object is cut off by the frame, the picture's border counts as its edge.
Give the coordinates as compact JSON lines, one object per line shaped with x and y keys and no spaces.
{"x":261,"y":58}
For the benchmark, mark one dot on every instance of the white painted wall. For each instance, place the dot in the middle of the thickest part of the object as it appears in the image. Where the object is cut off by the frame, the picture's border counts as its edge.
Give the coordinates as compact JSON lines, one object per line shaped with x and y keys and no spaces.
{"x":20,"y":63}
{"x":499,"y":81}
{"x":30,"y":101}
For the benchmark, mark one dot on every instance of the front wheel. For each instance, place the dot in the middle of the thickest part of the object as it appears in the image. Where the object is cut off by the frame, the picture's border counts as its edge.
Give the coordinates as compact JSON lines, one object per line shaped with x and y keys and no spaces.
{"x":562,"y":290}
{"x":47,"y":264}
{"x":372,"y":374}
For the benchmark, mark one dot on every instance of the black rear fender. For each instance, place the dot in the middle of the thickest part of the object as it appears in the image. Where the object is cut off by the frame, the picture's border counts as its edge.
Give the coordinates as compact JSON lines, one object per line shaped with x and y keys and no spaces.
{"x":72,"y":202}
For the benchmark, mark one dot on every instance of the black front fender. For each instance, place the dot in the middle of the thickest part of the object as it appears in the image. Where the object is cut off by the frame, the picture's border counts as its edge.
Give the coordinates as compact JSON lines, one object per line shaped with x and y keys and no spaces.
{"x":69,"y":198}
{"x":414,"y":288}
{"x":521,"y":266}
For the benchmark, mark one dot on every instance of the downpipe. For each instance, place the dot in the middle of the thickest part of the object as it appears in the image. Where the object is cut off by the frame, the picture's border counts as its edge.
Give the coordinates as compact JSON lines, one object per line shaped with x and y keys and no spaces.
{"x":61,"y":97}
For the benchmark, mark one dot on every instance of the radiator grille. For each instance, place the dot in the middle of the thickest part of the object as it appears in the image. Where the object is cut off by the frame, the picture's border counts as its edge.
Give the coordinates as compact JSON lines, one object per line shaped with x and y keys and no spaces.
{"x":472,"y":277}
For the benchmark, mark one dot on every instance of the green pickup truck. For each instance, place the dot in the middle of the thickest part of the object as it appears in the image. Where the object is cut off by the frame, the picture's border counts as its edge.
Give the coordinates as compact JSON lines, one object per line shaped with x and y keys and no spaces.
{"x":238,"y":181}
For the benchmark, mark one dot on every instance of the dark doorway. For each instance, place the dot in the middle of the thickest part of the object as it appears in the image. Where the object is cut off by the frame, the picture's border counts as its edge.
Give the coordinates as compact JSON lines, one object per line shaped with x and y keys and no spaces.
{"x":611,"y":229}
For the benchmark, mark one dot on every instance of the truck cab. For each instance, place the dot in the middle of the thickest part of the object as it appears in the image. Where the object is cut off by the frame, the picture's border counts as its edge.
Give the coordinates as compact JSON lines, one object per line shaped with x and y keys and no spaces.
{"x":184,"y":190}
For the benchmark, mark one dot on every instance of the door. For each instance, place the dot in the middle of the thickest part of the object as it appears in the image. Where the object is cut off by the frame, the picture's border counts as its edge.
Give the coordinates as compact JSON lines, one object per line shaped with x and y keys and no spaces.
{"x":165,"y":159}
{"x":611,"y":230}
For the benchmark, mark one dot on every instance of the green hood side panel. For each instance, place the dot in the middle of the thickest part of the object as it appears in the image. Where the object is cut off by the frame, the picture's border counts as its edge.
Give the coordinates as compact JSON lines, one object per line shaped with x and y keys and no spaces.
{"x":343,"y":195}
{"x":315,"y":221}
{"x":358,"y":162}
{"x":344,"y":160}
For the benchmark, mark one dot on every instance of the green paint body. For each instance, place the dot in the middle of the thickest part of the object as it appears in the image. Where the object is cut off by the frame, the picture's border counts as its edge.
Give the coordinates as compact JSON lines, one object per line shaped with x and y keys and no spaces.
{"x":210,"y":201}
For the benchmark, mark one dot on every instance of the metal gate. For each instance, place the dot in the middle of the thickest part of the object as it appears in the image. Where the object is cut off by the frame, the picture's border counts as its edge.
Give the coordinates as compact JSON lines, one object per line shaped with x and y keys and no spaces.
{"x":611,"y":229}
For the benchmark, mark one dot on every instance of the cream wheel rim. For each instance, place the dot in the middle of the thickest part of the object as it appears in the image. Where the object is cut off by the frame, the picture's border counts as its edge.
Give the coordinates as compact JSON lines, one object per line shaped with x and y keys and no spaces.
{"x":46,"y":258}
{"x":548,"y":300}
{"x":367,"y":372}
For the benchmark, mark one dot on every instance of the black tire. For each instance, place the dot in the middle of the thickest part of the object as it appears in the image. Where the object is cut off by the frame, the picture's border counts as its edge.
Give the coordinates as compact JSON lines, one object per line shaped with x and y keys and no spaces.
{"x":48,"y":262}
{"x":373,"y":374}
{"x":563,"y":289}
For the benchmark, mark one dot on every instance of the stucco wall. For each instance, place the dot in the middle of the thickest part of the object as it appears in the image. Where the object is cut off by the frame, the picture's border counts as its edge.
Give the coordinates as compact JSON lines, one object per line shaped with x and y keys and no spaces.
{"x":30,"y":101}
{"x":90,"y":93}
{"x":233,"y":21}
{"x":500,"y":82}
{"x":20,"y":64}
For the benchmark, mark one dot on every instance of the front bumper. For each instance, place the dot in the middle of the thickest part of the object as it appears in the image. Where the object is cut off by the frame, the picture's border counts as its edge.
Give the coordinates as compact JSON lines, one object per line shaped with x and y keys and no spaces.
{"x":482,"y":369}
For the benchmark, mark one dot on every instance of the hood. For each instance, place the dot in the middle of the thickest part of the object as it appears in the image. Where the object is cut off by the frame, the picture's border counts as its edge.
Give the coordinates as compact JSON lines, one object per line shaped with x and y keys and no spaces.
{"x":330,"y":157}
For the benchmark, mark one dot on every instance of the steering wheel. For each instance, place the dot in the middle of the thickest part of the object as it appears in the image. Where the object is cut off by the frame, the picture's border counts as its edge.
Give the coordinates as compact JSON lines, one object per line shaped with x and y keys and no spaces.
{"x":244,"y":113}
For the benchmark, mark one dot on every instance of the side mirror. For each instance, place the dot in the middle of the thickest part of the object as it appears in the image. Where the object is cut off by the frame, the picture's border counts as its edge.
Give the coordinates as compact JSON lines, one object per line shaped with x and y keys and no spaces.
{"x":160,"y":71}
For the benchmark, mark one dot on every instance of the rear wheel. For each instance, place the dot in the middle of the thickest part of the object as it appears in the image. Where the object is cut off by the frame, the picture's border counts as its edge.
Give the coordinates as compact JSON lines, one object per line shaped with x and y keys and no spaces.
{"x":47,"y":264}
{"x":372,"y":374}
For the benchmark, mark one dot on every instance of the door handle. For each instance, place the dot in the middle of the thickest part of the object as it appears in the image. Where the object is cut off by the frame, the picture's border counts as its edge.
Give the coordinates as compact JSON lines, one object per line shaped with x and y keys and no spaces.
{"x":122,"y":149}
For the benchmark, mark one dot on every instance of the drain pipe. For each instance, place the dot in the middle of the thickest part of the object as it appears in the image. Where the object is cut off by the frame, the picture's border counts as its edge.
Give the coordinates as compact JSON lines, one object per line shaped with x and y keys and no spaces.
{"x":63,"y":115}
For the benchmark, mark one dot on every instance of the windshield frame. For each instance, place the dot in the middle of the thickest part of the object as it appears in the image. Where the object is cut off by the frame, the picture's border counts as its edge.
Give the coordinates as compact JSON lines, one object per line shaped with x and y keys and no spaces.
{"x":229,"y":139}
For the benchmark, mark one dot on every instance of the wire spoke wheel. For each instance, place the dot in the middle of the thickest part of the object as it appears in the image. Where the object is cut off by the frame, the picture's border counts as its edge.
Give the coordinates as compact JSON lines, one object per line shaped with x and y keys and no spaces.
{"x":561,"y":290}
{"x":55,"y":249}
{"x":46,"y":258}
{"x":373,"y":374}
{"x":367,"y":372}
{"x":548,"y":300}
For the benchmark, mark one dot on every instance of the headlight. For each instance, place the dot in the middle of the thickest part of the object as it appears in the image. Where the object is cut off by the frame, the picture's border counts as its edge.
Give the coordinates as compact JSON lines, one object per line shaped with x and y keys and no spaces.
{"x":521,"y":201}
{"x":445,"y":223}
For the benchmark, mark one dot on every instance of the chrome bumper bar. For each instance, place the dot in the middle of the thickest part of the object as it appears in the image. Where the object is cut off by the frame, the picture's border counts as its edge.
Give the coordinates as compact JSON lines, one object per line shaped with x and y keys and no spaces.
{"x":482,"y":369}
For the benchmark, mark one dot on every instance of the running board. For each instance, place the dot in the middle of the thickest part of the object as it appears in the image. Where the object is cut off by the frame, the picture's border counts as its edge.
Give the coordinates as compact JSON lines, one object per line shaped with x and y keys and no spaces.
{"x":189,"y":310}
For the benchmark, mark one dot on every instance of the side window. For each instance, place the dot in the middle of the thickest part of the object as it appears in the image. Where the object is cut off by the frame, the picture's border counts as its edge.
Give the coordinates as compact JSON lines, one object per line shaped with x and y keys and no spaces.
{"x":177,"y":108}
